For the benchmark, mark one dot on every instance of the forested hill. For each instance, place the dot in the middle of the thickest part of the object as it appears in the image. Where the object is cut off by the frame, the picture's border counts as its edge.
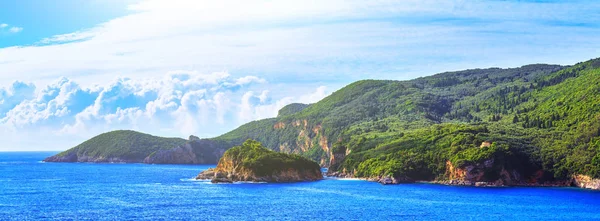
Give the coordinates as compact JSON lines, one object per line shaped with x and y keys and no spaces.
{"x":390,"y":108}
{"x":117,"y":146}
{"x":537,"y":123}
{"x":540,"y":129}
{"x":534,"y":124}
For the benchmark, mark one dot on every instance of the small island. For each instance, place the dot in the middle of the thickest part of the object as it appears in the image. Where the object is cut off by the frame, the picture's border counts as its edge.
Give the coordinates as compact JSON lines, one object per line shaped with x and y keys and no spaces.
{"x":251,"y":162}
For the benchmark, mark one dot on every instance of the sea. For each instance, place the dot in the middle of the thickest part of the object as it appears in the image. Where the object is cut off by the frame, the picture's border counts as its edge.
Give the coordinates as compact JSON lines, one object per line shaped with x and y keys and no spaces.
{"x":33,"y":190}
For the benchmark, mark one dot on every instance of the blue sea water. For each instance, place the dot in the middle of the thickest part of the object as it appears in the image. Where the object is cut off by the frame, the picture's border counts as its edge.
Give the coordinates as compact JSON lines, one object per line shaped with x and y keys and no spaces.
{"x":32,"y":190}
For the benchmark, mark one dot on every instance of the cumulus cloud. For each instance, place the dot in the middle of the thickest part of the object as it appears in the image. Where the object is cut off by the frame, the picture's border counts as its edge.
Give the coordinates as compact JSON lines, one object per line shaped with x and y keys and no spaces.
{"x":249,"y":79}
{"x":322,"y":40}
{"x":188,"y":100}
{"x":15,"y":94}
{"x":15,"y":29}
{"x":260,"y":105}
{"x":178,"y":104}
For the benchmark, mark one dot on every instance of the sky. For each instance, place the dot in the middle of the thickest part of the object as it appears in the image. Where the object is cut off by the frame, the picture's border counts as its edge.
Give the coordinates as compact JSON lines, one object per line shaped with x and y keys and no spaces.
{"x":72,"y":69}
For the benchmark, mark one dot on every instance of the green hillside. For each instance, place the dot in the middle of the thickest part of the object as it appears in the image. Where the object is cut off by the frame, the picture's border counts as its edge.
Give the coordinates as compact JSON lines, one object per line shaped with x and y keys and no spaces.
{"x":388,"y":109}
{"x":548,"y":123}
{"x":539,"y":118}
{"x":124,"y":145}
{"x":291,"y":109}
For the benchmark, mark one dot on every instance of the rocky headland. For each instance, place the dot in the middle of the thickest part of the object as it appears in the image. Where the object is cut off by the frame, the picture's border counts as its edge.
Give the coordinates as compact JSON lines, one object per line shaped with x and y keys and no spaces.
{"x":134,"y":147}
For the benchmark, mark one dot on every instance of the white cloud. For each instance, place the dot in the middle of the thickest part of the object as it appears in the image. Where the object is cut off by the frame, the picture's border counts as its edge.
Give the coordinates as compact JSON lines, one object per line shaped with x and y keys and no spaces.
{"x":15,"y":29}
{"x":320,"y":40}
{"x":14,"y":95}
{"x":76,"y":36}
{"x":259,"y":106}
{"x":320,"y":93}
{"x":249,"y":79}
{"x":179,"y":104}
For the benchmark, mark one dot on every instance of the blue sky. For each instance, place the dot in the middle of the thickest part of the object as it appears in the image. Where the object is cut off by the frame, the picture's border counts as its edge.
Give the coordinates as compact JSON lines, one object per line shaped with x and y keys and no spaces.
{"x":72,"y":69}
{"x":48,"y":18}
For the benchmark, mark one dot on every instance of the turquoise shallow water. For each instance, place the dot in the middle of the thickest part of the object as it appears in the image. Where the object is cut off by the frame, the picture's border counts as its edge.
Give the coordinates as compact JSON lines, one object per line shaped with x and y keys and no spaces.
{"x":31,"y":190}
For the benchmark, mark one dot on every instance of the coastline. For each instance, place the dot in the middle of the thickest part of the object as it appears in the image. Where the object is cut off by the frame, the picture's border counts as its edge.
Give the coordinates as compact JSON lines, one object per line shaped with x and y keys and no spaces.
{"x":573,"y":183}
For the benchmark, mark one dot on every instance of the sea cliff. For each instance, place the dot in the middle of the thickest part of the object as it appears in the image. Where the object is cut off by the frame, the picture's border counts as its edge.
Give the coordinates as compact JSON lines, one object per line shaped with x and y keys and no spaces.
{"x":484,"y":175}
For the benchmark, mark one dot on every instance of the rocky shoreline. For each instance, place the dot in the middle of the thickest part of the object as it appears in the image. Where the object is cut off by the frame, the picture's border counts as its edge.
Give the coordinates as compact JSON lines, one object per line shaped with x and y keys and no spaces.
{"x":73,"y":158}
{"x":289,"y":176}
{"x":579,"y":181}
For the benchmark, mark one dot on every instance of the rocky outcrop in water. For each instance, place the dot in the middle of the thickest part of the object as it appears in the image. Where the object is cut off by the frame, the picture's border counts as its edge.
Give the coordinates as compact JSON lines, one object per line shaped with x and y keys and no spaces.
{"x":253,"y":163}
{"x":586,"y":182}
{"x":387,"y":180}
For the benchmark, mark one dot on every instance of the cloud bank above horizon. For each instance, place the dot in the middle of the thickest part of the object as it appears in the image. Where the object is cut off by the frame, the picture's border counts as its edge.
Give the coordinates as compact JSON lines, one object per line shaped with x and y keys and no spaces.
{"x":243,"y":60}
{"x":179,"y":104}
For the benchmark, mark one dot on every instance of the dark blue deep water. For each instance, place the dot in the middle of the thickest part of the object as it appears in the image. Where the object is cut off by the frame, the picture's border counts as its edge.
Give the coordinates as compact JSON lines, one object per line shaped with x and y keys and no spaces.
{"x":31,"y":190}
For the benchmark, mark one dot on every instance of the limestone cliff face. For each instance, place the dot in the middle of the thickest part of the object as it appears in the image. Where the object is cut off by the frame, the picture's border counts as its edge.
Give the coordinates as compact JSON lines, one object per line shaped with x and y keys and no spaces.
{"x":476,"y":175}
{"x":489,"y":174}
{"x":480,"y":174}
{"x":279,"y":125}
{"x":583,"y":181}
{"x":309,"y":136}
{"x":337,"y":157}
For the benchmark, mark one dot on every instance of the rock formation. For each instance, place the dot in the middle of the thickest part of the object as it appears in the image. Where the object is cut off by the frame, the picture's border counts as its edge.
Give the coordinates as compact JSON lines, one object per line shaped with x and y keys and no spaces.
{"x":253,"y":163}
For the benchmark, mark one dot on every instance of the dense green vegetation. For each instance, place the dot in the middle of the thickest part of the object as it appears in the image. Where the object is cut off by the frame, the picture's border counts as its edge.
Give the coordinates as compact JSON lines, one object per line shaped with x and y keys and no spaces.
{"x":291,"y":109}
{"x":124,"y":144}
{"x":253,"y":156}
{"x":538,"y":117}
{"x":549,"y":122}
{"x":422,"y":154}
